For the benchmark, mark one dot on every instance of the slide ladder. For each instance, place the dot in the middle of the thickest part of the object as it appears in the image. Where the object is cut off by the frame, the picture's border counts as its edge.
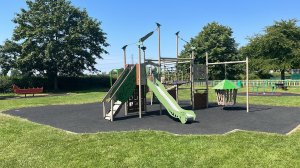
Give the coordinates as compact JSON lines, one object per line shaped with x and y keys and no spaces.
{"x":169,"y":102}
{"x":114,"y":111}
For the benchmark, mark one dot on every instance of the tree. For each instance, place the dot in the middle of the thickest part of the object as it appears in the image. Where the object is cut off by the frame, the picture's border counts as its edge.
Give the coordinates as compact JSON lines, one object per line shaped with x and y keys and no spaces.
{"x":57,"y":39}
{"x":217,"y":40}
{"x":8,"y":54}
{"x":277,"y":48}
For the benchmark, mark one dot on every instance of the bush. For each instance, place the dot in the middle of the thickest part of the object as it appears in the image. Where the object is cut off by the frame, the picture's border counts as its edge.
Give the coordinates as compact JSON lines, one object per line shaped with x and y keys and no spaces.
{"x":64,"y":83}
{"x":5,"y":84}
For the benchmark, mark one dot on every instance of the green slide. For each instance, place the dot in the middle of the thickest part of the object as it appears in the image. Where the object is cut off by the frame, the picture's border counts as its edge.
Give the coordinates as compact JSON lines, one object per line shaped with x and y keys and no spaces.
{"x":169,"y":102}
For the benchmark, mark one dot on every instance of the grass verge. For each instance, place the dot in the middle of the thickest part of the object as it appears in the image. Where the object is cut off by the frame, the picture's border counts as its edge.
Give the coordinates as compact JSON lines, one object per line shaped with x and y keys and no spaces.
{"x":26,"y":144}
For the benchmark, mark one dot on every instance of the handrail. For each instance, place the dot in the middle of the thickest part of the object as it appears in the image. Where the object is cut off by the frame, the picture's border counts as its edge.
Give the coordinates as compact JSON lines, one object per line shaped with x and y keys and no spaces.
{"x":121,"y":84}
{"x":116,"y":82}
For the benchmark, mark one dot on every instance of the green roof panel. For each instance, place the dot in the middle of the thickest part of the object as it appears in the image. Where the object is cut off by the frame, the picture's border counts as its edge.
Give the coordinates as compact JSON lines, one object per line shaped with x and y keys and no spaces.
{"x":225,"y":85}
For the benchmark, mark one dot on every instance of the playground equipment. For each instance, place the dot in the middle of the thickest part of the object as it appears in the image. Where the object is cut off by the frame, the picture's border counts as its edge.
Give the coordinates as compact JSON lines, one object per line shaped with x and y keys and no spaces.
{"x":226,"y":93}
{"x":131,"y":87}
{"x":111,"y":74}
{"x":32,"y":91}
{"x":228,"y":96}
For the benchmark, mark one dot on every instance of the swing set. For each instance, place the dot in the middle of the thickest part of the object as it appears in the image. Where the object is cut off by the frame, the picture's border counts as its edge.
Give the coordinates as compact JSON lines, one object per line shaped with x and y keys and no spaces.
{"x":226,"y":91}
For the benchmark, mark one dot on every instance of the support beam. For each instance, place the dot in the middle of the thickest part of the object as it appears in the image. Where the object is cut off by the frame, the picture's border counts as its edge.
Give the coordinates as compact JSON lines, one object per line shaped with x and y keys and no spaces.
{"x":140,"y":83}
{"x":206,"y":78}
{"x":104,"y":111}
{"x":247,"y":82}
{"x":159,"y":62}
{"x":177,"y":56}
{"x":229,"y":62}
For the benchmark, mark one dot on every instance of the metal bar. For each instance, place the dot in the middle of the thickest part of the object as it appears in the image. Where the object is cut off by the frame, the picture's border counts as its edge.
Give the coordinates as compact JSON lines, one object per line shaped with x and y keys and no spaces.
{"x":140,"y":87}
{"x":171,"y":59}
{"x":206,"y":76}
{"x":192,"y":80}
{"x":159,"y":62}
{"x":247,"y":83}
{"x":229,"y":62}
{"x":151,"y":60}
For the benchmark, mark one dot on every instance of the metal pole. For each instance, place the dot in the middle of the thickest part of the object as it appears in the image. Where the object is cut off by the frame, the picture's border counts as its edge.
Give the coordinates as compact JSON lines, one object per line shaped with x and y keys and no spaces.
{"x":225,"y":71}
{"x":145,"y":99}
{"x":192,"y":79}
{"x":124,"y":52}
{"x":159,"y":63}
{"x":177,"y":55}
{"x":124,"y":55}
{"x":140,"y":86}
{"x":159,"y":56}
{"x":247,"y":83}
{"x":206,"y":76}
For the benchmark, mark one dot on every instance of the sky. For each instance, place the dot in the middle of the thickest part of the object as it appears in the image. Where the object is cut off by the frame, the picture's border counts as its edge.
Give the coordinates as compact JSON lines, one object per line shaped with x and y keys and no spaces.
{"x":125,"y":22}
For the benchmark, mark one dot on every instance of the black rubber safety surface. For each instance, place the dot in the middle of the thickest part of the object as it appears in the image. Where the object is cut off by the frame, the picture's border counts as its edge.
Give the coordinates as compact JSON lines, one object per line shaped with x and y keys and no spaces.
{"x":87,"y":118}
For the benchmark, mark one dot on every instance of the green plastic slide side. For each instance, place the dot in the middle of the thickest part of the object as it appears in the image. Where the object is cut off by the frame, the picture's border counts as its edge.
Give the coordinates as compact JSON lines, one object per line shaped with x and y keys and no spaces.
{"x":124,"y":87}
{"x":169,"y":102}
{"x":127,"y":86}
{"x":120,"y":79}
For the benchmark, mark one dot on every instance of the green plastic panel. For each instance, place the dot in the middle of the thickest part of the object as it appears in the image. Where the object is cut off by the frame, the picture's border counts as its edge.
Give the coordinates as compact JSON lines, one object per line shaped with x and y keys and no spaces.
{"x":225,"y":85}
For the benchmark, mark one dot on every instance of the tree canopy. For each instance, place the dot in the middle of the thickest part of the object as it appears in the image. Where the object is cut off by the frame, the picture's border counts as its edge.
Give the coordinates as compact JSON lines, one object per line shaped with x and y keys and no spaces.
{"x":57,"y":38}
{"x":277,"y":49}
{"x":217,"y":40}
{"x":9,"y":51}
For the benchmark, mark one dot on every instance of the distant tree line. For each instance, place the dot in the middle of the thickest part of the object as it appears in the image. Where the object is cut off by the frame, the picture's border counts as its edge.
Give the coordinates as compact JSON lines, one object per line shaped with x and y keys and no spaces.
{"x":278,"y":48}
{"x":52,"y":38}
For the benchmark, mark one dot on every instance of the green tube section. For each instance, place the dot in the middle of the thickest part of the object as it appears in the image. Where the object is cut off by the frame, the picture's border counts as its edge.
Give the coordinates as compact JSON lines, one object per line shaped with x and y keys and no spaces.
{"x":170,"y":103}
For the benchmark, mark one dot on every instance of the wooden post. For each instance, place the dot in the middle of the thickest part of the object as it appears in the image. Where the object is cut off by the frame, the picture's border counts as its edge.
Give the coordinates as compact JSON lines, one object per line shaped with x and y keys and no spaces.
{"x":247,"y":83}
{"x":104,"y":112}
{"x":206,"y":77}
{"x":140,"y":86}
{"x":111,"y":110}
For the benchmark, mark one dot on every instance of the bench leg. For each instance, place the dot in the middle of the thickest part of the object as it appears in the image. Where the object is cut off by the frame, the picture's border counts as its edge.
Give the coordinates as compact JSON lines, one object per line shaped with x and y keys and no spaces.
{"x":25,"y":95}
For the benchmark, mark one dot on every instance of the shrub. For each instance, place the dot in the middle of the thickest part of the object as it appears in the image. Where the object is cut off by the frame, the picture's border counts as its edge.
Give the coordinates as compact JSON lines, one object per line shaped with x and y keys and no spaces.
{"x":5,"y":84}
{"x":64,"y":83}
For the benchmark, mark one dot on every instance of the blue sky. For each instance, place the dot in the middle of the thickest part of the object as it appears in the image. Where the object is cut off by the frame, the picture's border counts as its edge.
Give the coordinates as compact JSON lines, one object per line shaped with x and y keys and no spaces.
{"x":126,"y":21}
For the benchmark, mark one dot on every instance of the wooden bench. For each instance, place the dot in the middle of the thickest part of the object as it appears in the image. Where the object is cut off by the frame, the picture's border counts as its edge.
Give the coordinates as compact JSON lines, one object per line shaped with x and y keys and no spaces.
{"x":32,"y":91}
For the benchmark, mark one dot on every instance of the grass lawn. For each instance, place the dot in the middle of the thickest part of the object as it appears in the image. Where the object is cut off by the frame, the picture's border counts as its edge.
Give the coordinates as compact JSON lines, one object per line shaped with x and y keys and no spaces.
{"x":62,"y":98}
{"x":27,"y":144}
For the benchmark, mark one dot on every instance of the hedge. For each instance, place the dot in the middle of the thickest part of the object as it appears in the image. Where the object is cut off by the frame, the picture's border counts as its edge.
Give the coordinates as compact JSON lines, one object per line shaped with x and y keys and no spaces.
{"x":64,"y":83}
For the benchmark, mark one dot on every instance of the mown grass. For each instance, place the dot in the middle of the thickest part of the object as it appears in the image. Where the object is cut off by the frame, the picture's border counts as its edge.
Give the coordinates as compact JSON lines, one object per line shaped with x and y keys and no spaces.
{"x":11,"y":101}
{"x":51,"y":99}
{"x":26,"y":144}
